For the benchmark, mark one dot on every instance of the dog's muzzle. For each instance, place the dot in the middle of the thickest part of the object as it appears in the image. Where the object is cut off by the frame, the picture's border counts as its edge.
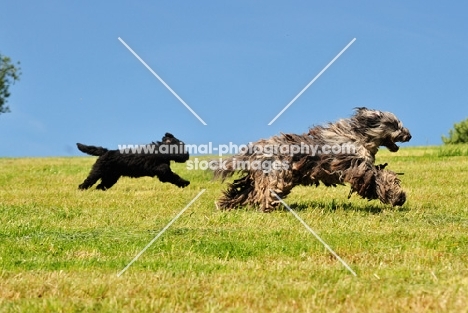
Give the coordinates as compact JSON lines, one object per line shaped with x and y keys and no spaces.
{"x":405,"y":136}
{"x":390,"y":143}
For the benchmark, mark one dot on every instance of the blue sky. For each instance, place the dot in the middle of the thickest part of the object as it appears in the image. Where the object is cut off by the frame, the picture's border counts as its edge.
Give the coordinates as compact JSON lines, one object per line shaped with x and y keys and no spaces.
{"x":235,"y":63}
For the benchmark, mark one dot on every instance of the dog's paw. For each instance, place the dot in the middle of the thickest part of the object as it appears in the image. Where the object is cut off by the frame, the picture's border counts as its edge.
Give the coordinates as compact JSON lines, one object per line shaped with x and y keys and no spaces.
{"x":381,"y":166}
{"x":183,"y":184}
{"x":101,"y":187}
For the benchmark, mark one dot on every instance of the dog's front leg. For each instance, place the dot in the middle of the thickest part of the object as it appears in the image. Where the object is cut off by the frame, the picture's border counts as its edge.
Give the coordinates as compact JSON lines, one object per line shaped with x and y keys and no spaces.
{"x":165,"y":175}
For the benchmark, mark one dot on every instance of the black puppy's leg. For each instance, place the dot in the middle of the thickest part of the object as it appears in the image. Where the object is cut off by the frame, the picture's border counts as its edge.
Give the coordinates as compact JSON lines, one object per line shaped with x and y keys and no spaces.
{"x":108,"y":181}
{"x":92,"y":178}
{"x":165,"y":175}
{"x":94,"y":175}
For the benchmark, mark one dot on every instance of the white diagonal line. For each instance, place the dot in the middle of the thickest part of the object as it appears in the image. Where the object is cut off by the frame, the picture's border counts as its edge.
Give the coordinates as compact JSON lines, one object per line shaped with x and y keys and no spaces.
{"x":160,"y":233}
{"x":314,"y":233}
{"x":162,"y":81}
{"x":312,"y":81}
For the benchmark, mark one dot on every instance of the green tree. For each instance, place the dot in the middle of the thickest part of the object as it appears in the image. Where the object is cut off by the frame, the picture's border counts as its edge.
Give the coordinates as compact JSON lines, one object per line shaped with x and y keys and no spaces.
{"x":459,"y":133}
{"x":9,"y":74}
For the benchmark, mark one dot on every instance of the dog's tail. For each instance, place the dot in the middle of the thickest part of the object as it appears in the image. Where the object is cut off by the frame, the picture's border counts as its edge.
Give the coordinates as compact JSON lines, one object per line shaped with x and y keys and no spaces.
{"x":92,"y":150}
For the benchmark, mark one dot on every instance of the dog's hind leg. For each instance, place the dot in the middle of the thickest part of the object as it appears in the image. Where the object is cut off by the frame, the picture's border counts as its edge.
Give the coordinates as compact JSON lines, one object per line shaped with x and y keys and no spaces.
{"x":165,"y":175}
{"x":89,"y":181}
{"x":237,"y":193}
{"x":107,"y":182}
{"x":270,"y":186}
{"x":94,"y":175}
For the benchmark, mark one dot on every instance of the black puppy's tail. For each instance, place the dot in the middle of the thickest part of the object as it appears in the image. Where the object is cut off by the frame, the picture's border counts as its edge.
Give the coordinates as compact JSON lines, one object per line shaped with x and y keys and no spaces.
{"x":92,"y":150}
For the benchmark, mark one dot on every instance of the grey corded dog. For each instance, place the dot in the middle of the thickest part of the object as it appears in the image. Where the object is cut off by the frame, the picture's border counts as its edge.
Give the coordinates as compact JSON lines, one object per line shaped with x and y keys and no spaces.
{"x":335,"y":153}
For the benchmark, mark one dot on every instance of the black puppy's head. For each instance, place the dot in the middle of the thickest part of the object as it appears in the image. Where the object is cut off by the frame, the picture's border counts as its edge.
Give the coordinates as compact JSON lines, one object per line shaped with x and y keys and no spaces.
{"x":173,"y":148}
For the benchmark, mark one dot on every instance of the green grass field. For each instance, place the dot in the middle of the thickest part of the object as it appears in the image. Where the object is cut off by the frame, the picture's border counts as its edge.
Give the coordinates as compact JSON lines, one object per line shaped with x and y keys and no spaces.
{"x":61,"y":248}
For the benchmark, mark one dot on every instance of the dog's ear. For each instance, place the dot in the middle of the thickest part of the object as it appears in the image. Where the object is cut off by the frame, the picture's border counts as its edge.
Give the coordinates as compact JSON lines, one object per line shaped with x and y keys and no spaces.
{"x":360,"y":109}
{"x":369,"y":118}
{"x":168,"y":138}
{"x":377,"y":114}
{"x":368,"y":112}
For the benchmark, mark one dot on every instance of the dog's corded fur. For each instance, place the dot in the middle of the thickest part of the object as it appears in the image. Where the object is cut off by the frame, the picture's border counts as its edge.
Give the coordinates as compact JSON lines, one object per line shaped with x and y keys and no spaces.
{"x":112,"y":164}
{"x":366,"y":130}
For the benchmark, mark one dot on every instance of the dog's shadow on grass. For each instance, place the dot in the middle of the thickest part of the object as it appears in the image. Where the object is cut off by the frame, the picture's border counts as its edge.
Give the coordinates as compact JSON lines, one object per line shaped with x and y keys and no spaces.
{"x":331,"y":206}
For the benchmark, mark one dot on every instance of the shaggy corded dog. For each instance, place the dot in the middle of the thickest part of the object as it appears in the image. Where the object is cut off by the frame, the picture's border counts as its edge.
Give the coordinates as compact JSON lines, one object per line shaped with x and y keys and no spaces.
{"x":336,"y":153}
{"x":154,"y":160}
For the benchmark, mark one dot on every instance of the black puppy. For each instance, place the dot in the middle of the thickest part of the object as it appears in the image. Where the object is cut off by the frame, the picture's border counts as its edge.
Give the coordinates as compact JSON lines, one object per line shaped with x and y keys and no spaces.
{"x":148,"y":160}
